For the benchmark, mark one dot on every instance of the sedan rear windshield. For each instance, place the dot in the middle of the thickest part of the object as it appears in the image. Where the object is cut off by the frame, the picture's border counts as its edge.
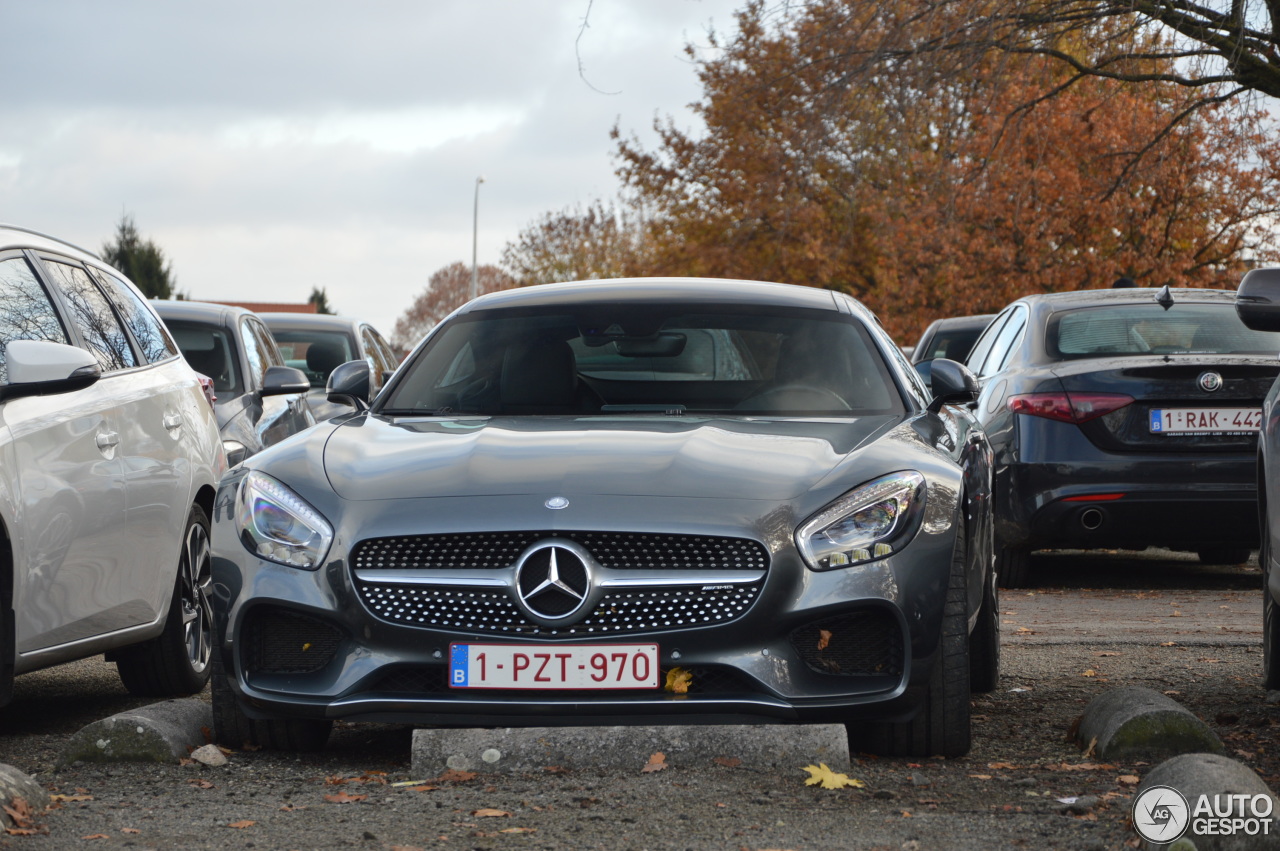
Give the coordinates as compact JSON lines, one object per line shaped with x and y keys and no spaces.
{"x":1137,"y":329}
{"x":638,"y":359}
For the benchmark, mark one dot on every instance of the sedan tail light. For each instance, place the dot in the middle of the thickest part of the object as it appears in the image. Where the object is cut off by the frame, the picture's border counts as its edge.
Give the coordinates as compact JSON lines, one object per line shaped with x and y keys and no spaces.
{"x":1068,"y":407}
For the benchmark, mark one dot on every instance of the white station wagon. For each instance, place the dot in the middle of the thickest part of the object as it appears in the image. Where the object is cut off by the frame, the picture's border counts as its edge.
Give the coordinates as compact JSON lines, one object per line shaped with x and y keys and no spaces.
{"x":109,"y":456}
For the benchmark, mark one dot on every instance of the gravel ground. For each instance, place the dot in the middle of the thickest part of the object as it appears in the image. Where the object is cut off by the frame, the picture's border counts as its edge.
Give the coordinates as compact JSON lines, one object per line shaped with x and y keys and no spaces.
{"x":1008,"y":793}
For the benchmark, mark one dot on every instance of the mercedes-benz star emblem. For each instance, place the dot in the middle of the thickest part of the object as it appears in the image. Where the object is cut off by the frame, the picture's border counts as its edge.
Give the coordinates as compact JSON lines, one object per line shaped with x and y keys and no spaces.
{"x":556,"y":503}
{"x":1210,"y":381}
{"x":552,"y":582}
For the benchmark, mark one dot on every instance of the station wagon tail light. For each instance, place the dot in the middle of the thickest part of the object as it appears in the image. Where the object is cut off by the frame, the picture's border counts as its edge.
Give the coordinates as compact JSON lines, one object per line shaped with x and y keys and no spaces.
{"x":276,"y":524}
{"x":868,"y":523}
{"x":1068,"y":407}
{"x":206,"y":384}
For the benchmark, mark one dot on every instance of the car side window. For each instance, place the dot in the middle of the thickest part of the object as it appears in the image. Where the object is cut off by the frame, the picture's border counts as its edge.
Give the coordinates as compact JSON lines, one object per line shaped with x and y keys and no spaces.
{"x":259,"y":355}
{"x":1005,"y":343}
{"x":983,"y":347}
{"x":374,"y":354}
{"x":92,"y":313}
{"x":266,"y":342}
{"x":26,"y":313}
{"x":152,"y":337}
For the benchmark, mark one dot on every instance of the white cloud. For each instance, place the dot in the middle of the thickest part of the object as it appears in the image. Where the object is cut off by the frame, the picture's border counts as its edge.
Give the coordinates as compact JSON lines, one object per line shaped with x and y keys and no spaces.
{"x":272,"y":147}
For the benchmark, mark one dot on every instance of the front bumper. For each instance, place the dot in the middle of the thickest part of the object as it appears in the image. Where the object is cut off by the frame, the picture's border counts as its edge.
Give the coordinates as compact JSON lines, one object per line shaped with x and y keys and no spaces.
{"x":308,"y":644}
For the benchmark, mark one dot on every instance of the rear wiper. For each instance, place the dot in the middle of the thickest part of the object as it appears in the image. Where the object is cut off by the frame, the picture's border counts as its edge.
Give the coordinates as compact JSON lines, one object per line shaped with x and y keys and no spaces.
{"x":668,"y":410}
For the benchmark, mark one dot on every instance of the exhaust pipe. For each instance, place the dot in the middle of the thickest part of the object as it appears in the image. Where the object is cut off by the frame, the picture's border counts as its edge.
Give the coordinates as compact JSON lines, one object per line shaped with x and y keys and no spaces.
{"x":1092,"y":519}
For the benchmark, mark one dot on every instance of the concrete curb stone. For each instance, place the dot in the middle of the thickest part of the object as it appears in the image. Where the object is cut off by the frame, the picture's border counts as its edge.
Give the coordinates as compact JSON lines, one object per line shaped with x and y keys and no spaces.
{"x":161,"y":732}
{"x":1196,"y":774}
{"x":1140,"y":723}
{"x":627,"y":748}
{"x":14,"y":784}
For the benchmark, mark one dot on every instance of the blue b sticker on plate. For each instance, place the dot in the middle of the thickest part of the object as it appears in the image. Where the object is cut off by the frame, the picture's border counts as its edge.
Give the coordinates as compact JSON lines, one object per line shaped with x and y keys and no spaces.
{"x":1155,"y":420}
{"x":458,"y":665}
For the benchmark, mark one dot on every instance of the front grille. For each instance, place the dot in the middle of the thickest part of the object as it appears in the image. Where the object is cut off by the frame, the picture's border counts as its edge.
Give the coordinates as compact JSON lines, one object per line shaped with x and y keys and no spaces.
{"x":280,"y":641}
{"x":867,"y":642}
{"x":475,"y":609}
{"x":431,"y":679}
{"x":618,"y":550}
{"x":484,"y":610}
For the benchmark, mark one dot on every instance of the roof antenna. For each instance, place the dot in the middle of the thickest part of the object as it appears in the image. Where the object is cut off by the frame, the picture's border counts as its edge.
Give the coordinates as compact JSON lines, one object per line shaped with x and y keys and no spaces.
{"x":1164,"y":298}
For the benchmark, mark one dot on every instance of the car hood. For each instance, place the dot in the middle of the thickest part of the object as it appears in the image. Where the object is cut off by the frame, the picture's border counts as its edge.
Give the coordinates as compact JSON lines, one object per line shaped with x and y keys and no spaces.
{"x":373,"y":458}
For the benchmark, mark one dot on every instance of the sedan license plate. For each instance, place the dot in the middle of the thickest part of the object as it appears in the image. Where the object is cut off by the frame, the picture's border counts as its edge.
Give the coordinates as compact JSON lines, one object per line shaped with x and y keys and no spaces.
{"x":1204,"y":420}
{"x":593,"y":666}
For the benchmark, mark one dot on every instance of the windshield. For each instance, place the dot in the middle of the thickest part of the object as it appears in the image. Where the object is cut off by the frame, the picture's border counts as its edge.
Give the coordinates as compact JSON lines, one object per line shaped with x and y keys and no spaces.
{"x":1135,"y":329}
{"x":632,"y":359}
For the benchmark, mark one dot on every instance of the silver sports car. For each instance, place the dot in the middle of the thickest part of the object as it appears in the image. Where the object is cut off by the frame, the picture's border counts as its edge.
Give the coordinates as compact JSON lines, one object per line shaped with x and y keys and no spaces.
{"x":611,"y":502}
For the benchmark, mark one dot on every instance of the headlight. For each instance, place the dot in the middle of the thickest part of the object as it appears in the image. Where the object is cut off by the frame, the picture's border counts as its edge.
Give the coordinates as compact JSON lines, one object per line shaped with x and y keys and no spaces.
{"x":276,"y":524}
{"x":868,"y":523}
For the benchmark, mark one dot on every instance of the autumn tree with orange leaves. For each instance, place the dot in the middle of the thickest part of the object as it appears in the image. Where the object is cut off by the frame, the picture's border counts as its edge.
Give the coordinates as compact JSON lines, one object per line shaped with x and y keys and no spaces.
{"x":948,"y":183}
{"x":598,"y":240}
{"x":447,"y":290}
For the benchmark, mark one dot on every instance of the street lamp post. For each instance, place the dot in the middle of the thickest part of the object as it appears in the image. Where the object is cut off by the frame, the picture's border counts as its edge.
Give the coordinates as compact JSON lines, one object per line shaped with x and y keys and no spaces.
{"x":475,"y":236}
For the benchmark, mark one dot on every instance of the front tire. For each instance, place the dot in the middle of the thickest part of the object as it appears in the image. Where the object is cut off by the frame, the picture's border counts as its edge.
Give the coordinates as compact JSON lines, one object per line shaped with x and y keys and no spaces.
{"x":942,"y":727}
{"x":233,"y":729}
{"x":176,"y":662}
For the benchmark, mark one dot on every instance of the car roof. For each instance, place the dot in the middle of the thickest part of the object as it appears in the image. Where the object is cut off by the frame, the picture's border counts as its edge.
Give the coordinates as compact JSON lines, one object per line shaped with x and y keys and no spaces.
{"x":658,"y":291}
{"x":298,"y":321}
{"x":952,"y":322}
{"x":198,"y":311}
{"x":14,"y":236}
{"x":1128,"y":295}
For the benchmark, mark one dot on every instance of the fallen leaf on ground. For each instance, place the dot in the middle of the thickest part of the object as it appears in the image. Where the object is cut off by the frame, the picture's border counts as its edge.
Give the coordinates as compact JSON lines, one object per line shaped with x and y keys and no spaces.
{"x":519,"y":830}
{"x":455,"y":776}
{"x":489,"y":812}
{"x":201,"y":783}
{"x":657,"y":762}
{"x":1089,"y":673}
{"x":980,"y":776}
{"x":824,"y":639}
{"x":129,"y":830}
{"x":422,"y":788}
{"x":69,"y":798}
{"x":828,"y":779}
{"x":288,"y":808}
{"x":1128,"y":779}
{"x":96,"y":836}
{"x":242,"y":824}
{"x":344,"y":798}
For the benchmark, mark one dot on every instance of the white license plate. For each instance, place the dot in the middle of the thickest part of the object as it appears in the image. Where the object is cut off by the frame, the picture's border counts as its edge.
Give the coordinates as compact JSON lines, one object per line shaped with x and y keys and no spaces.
{"x":578,"y":666}
{"x":1204,"y":420}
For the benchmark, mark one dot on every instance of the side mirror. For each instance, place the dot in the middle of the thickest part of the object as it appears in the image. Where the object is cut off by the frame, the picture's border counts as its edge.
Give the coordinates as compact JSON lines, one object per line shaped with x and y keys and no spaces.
{"x":282,"y":380}
{"x":42,"y":368}
{"x":950,"y":382}
{"x":1258,"y":300}
{"x":349,"y":385}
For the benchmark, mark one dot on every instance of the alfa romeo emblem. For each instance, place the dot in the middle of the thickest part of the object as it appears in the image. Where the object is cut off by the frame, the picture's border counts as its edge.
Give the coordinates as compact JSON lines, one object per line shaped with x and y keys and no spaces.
{"x":1210,"y":381}
{"x":553,"y":581}
{"x":556,"y":503}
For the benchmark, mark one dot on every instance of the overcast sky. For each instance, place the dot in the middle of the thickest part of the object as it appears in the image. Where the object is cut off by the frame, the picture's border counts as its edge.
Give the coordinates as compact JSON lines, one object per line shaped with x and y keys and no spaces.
{"x":271,"y":147}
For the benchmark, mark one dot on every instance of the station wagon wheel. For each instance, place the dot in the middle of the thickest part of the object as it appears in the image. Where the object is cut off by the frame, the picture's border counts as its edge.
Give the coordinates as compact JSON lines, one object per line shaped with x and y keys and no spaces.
{"x":176,"y":662}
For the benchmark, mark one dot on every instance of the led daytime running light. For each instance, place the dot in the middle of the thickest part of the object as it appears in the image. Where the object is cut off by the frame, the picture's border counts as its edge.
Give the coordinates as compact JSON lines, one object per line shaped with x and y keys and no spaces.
{"x":866,"y":524}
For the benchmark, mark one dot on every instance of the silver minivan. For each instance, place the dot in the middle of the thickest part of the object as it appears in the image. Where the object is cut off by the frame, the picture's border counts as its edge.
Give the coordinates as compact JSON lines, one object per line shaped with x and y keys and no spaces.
{"x":109,"y":456}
